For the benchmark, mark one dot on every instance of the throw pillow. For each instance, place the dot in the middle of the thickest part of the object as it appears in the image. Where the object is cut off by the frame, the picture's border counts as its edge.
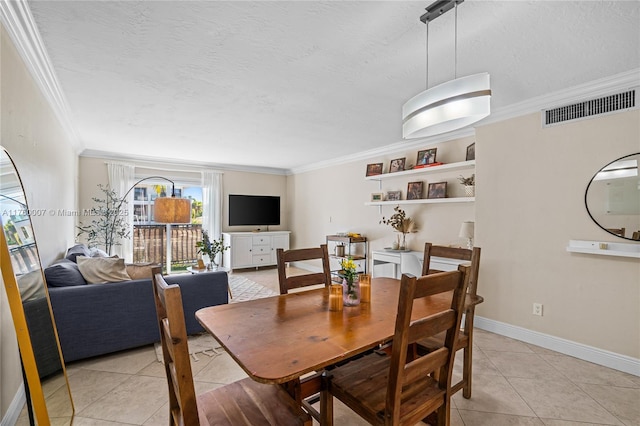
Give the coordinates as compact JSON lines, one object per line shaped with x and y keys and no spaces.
{"x":102,"y":269}
{"x":96,"y":252}
{"x":63,"y":273}
{"x":140,"y":271}
{"x":30,"y":285}
{"x":77,"y":250}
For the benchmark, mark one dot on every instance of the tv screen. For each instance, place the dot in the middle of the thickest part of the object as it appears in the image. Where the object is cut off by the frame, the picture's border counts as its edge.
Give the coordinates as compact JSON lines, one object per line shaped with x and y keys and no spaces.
{"x":254,"y":210}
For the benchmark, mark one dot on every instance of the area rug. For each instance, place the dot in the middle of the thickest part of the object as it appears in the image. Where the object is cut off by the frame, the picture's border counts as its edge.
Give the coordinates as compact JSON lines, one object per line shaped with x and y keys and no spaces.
{"x":242,"y":289}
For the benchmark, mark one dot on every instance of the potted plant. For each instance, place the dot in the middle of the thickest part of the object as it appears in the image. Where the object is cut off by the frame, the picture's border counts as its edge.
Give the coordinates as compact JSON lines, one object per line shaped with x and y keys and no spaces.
{"x":469,"y":184}
{"x":209,"y":248}
{"x":401,"y":224}
{"x":109,"y":224}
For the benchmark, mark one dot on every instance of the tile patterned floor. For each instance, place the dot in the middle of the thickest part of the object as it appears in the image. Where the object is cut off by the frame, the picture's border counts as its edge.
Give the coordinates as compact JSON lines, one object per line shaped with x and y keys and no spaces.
{"x":514,"y":384}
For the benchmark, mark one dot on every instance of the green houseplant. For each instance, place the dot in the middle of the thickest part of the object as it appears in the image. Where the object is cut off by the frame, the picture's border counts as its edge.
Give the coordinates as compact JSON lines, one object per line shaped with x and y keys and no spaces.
{"x":109,"y":224}
{"x":210,"y":248}
{"x":469,"y":184}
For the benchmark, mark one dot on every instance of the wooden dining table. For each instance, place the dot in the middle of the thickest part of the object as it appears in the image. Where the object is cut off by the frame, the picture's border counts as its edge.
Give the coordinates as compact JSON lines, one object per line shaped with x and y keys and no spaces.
{"x":281,"y":338}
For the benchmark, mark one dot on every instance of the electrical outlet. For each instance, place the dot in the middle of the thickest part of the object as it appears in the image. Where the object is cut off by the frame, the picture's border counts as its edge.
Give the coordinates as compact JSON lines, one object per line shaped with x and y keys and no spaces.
{"x":537,"y":309}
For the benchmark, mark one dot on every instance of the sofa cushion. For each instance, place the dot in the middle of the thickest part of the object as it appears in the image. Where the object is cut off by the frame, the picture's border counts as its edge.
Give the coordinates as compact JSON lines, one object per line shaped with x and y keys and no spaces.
{"x":77,"y":250}
{"x":63,"y":273}
{"x":96,"y":252}
{"x":139,"y":271}
{"x":102,"y":269}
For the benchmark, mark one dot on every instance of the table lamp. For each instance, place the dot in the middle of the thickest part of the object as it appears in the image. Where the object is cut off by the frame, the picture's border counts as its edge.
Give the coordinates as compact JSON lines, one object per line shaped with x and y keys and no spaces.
{"x":466,"y":231}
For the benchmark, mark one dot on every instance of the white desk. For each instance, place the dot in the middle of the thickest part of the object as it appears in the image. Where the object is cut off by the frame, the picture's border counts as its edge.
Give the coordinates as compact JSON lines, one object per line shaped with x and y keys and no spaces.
{"x":393,"y":258}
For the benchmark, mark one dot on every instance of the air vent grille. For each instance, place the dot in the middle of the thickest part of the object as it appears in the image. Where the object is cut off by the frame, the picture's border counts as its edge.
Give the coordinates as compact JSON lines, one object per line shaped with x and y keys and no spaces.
{"x":592,"y":107}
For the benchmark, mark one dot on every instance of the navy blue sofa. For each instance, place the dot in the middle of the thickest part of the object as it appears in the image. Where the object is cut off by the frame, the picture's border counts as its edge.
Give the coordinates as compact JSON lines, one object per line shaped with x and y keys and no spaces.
{"x":97,"y":319}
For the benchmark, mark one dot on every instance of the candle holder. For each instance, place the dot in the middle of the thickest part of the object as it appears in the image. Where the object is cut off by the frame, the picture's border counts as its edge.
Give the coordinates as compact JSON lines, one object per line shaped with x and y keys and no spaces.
{"x":335,"y":297}
{"x":365,"y":288}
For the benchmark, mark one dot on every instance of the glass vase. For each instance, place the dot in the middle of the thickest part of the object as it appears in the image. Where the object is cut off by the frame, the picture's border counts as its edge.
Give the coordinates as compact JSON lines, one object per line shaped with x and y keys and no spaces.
{"x":351,"y":292}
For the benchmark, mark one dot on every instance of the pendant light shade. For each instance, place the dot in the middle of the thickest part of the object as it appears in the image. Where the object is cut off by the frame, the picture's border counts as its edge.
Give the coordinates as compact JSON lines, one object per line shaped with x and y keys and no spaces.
{"x":446,"y":107}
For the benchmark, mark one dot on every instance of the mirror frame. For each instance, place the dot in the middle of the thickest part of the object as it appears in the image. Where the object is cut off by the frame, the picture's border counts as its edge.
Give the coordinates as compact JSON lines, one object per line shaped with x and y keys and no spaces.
{"x":33,"y":387}
{"x":586,"y":193}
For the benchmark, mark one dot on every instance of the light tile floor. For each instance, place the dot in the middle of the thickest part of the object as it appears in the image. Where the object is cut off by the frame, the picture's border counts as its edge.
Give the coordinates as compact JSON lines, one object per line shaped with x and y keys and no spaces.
{"x":514,"y":384}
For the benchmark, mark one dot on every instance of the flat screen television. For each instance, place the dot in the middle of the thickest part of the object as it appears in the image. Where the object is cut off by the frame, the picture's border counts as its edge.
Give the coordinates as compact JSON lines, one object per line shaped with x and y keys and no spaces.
{"x":254,"y":210}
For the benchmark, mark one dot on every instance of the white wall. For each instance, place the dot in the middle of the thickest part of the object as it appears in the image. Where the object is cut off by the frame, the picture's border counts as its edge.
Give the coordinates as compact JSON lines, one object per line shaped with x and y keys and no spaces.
{"x":47,"y":163}
{"x":529,"y":204}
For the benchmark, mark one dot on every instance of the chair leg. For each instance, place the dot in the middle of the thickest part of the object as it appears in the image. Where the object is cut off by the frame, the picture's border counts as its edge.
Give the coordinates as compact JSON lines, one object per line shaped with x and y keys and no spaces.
{"x":326,"y":403}
{"x":467,"y":365}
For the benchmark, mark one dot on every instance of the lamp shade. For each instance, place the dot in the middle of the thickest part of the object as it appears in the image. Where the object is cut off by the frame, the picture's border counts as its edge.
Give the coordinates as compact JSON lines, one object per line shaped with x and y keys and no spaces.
{"x":466,"y":230}
{"x":446,"y":107}
{"x":172,"y":210}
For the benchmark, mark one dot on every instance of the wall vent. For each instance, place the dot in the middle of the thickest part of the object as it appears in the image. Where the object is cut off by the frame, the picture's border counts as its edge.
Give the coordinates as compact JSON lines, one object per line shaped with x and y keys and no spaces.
{"x":603,"y":105}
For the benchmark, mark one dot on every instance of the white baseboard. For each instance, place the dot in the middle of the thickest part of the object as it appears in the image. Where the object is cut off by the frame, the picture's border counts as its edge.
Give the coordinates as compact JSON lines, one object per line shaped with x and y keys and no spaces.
{"x":598,"y":356}
{"x":15,"y":408}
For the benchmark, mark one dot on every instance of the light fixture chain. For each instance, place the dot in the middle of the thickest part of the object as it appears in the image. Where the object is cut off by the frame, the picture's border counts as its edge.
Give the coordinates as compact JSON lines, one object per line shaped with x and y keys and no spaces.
{"x":455,"y":46}
{"x":427,"y":44}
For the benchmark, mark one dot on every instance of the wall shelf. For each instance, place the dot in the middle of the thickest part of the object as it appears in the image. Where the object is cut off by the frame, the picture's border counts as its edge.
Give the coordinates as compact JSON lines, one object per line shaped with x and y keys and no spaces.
{"x":423,"y":201}
{"x":604,"y":248}
{"x":425,"y":170}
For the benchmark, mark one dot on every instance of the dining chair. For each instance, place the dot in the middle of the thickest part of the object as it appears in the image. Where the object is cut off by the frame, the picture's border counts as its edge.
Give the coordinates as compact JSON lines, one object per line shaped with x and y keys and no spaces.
{"x":245,"y":402}
{"x":297,"y":255}
{"x":635,"y":235}
{"x":465,"y":339}
{"x":395,"y":389}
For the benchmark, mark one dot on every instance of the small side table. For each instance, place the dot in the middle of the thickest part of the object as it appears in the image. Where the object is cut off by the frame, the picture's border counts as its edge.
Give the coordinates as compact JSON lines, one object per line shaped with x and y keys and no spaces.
{"x":195,"y":270}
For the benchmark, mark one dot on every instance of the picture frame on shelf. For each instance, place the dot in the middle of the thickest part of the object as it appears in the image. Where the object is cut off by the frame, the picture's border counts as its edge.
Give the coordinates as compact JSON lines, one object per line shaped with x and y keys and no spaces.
{"x":377,"y":196}
{"x":394,"y":195}
{"x":471,"y":152}
{"x":397,"y":165}
{"x":414,"y":190}
{"x":426,"y":157}
{"x":374,"y":169}
{"x":437,"y":190}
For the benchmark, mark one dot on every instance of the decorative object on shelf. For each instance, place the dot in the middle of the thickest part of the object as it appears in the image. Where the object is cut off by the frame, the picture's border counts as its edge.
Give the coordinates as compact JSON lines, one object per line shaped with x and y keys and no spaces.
{"x":449,"y":106}
{"x":437,"y":190}
{"x":365,"y":288}
{"x":374,"y":169}
{"x":377,"y":196}
{"x":339,"y":250}
{"x":210,"y":249}
{"x":394,"y":195}
{"x":471,"y":152}
{"x":414,"y":190}
{"x":466,"y":231}
{"x":426,"y":156}
{"x":350,"y":282}
{"x":401,"y":224}
{"x":469,"y":184}
{"x":397,"y":165}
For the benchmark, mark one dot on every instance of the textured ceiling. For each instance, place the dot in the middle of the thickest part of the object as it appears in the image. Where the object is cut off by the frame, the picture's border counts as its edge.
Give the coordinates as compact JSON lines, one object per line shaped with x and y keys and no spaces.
{"x":286,"y":84}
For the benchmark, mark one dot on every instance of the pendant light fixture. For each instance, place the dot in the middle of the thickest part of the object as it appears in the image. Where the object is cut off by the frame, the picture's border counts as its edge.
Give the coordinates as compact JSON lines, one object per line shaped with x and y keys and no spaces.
{"x":451,"y":105}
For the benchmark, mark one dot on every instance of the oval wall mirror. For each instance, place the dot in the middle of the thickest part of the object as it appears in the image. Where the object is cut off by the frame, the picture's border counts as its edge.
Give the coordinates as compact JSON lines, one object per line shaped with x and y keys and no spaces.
{"x":613,"y":198}
{"x":46,"y":385}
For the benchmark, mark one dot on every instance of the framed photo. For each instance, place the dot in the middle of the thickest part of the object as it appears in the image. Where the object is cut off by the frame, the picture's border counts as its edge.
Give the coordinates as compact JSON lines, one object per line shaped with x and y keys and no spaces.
{"x":394,"y":195}
{"x":377,"y":196}
{"x":471,"y":152}
{"x":397,"y":165}
{"x":374,"y":169}
{"x":426,"y":157}
{"x":414,"y":191}
{"x":437,"y":190}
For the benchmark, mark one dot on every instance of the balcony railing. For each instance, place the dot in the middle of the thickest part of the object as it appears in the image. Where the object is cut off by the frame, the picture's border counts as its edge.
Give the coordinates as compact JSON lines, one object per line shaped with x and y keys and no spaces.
{"x":150,"y":244}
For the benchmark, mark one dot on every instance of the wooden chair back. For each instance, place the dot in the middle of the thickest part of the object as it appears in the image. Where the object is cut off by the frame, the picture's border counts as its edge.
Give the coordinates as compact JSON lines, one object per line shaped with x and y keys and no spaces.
{"x":173,"y":336}
{"x":618,"y":231}
{"x":408,"y":378}
{"x":297,"y":255}
{"x":635,"y":235}
{"x":472,"y":256}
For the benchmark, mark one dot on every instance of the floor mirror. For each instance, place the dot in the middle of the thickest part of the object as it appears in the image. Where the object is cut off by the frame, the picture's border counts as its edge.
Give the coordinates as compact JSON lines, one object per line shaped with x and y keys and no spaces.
{"x":45,"y":380}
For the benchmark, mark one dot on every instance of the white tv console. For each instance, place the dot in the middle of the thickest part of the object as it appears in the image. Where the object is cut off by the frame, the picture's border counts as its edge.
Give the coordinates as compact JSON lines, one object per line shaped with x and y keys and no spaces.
{"x":253,"y":249}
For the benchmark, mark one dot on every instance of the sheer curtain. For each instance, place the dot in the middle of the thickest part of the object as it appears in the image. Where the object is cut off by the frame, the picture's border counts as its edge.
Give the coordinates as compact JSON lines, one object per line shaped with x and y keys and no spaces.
{"x":212,"y":203}
{"x":121,"y":179}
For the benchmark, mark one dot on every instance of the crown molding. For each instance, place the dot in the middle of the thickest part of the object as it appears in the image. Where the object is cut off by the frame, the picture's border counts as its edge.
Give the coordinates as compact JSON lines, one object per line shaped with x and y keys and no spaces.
{"x":604,"y":86}
{"x":190,"y":166}
{"x":18,"y":21}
